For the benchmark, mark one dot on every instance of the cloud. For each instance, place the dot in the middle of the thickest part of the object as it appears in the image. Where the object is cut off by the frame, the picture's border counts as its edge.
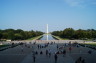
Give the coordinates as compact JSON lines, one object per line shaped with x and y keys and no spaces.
{"x":80,"y":3}
{"x":74,"y":2}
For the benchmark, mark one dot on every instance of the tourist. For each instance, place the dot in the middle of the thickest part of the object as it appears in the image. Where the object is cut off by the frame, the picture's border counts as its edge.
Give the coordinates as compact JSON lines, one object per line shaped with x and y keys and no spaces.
{"x":55,"y":57}
{"x":57,"y":46}
{"x":36,"y":52}
{"x":34,"y":58}
{"x":41,"y":52}
{"x":38,"y":46}
{"x":46,"y":52}
{"x":83,"y":61}
{"x":22,"y":49}
{"x":79,"y":60}
{"x":49,"y":52}
{"x":64,"y":52}
{"x":70,"y":49}
{"x":89,"y":51}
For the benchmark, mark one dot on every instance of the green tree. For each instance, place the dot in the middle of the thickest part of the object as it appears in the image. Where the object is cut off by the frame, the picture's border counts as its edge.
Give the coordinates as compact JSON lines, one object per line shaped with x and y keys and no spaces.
{"x":18,"y":36}
{"x":5,"y":35}
{"x":1,"y":35}
{"x":68,"y":33}
{"x":11,"y":35}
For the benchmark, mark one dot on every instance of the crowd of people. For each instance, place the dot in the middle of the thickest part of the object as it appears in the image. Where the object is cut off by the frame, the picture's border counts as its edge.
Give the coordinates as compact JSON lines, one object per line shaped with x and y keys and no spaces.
{"x":42,"y":49}
{"x":48,"y":52}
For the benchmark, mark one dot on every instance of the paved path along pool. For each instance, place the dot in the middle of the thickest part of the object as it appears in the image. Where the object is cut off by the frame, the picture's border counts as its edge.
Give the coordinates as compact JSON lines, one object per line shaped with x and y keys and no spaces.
{"x":15,"y":55}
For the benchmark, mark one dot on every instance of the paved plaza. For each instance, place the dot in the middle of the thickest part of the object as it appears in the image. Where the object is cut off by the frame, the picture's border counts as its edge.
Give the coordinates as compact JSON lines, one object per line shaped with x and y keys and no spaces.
{"x":24,"y":53}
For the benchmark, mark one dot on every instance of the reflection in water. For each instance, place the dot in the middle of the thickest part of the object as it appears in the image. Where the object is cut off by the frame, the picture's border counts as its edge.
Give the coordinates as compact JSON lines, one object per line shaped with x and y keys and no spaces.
{"x":47,"y":37}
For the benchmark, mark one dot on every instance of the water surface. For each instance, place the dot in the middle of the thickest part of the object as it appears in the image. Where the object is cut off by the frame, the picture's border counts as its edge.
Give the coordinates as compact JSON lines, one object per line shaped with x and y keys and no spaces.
{"x":47,"y":37}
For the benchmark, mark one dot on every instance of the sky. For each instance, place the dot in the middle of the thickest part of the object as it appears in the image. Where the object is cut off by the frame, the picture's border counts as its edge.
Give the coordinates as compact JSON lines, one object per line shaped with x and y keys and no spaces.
{"x":58,"y":14}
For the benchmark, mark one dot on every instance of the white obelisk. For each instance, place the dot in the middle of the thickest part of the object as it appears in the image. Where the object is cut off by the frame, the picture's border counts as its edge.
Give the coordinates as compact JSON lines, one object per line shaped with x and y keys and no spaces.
{"x":47,"y":31}
{"x":47,"y":28}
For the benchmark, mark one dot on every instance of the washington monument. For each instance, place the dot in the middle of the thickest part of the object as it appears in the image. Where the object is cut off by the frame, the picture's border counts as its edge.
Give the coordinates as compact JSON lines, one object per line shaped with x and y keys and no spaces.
{"x":47,"y":28}
{"x":47,"y":31}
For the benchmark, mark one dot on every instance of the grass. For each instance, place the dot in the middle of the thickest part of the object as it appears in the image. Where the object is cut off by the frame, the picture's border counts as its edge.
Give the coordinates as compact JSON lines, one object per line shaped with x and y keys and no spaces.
{"x":60,"y":38}
{"x":47,"y":34}
{"x":93,"y":44}
{"x":68,"y":39}
{"x":34,"y":38}
{"x":88,"y":40}
{"x":3,"y":46}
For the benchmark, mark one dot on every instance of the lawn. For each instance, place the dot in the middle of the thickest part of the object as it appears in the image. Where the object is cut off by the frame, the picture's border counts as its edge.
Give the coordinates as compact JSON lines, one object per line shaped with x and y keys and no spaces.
{"x":34,"y":38}
{"x":60,"y":38}
{"x":3,"y":46}
{"x":93,"y":43}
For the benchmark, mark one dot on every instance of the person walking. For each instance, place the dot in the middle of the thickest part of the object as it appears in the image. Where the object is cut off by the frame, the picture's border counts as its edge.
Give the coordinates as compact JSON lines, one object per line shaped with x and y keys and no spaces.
{"x":34,"y":57}
{"x":38,"y":46}
{"x":64,"y":52}
{"x":41,"y":52}
{"x":36,"y":52}
{"x":83,"y":61}
{"x":70,"y":49}
{"x":79,"y":60}
{"x":46,"y":52}
{"x":57,"y":47}
{"x":55,"y":57}
{"x":49,"y":53}
{"x":22,"y":49}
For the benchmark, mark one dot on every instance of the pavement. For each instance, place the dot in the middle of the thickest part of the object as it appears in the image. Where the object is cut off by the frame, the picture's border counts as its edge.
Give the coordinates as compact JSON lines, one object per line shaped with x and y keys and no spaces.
{"x":15,"y":55}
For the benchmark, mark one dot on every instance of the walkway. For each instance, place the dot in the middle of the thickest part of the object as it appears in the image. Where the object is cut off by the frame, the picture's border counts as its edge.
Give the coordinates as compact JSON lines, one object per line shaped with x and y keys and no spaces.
{"x":15,"y":55}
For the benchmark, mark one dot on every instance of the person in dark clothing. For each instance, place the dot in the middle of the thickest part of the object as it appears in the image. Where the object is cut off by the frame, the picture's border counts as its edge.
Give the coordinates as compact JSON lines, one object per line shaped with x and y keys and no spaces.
{"x":49,"y":54}
{"x":34,"y":58}
{"x":89,"y":51}
{"x":79,"y":60}
{"x":36,"y":52}
{"x":83,"y":61}
{"x":41,"y":52}
{"x":55,"y":57}
{"x":38,"y":46}
{"x":70,"y":49}
{"x":57,"y":46}
{"x":64,"y":52}
{"x":46,"y":52}
{"x":22,"y":49}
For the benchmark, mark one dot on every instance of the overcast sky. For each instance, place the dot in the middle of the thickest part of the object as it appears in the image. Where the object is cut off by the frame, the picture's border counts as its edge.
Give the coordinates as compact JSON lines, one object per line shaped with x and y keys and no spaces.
{"x":59,"y":14}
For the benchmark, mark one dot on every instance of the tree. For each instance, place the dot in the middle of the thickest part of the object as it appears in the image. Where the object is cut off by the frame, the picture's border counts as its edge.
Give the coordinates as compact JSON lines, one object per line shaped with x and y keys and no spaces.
{"x":18,"y":31}
{"x":5,"y":35}
{"x":11,"y":35}
{"x":1,"y":35}
{"x":68,"y":33}
{"x":76,"y":34}
{"x":18,"y":34}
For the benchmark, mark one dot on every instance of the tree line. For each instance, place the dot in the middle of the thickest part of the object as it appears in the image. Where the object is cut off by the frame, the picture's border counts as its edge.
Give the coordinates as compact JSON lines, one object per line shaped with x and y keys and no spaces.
{"x":18,"y":34}
{"x":70,"y":33}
